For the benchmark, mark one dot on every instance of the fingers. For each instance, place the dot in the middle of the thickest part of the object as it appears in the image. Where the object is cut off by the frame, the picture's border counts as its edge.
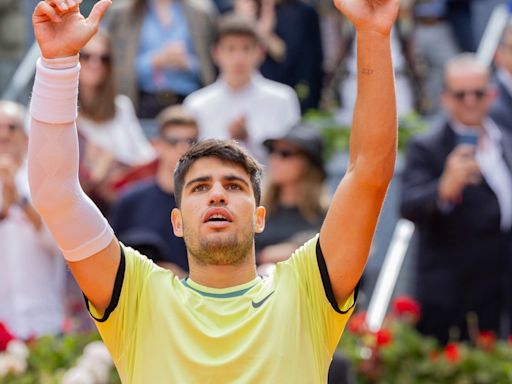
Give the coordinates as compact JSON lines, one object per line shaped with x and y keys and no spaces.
{"x":64,"y":5}
{"x":44,"y":10}
{"x":98,"y":11}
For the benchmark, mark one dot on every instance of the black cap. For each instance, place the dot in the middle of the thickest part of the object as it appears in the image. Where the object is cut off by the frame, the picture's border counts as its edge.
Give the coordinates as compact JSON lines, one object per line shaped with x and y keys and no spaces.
{"x":308,"y":140}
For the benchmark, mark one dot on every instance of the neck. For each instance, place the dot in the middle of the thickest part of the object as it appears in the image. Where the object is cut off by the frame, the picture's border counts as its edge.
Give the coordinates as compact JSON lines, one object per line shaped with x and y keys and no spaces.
{"x":164,"y":178}
{"x":237,"y":83}
{"x":289,"y":194}
{"x":222,"y":276}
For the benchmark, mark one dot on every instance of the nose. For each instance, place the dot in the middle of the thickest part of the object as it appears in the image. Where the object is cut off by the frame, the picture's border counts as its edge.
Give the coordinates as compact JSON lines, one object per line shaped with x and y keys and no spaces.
{"x":218,"y":195}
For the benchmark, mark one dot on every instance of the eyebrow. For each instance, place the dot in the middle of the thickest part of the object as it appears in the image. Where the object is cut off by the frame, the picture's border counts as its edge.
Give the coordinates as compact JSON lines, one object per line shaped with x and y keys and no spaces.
{"x":202,"y":179}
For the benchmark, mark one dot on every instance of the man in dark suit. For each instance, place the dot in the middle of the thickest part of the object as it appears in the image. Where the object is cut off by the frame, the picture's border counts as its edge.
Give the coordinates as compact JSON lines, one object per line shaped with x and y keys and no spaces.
{"x":457,"y":189}
{"x":501,"y":110}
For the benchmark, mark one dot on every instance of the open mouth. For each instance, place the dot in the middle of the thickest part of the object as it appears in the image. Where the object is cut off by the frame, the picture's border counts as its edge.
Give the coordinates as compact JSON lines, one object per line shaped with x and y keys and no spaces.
{"x":218,"y":215}
{"x":217,"y":218}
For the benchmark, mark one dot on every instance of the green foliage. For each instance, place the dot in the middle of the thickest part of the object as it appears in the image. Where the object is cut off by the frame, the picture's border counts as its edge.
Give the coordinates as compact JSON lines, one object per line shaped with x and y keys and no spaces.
{"x":337,"y":136}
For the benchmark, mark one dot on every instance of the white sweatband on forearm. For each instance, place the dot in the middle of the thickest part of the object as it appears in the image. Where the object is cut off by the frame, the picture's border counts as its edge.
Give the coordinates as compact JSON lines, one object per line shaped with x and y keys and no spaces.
{"x":77,"y":225}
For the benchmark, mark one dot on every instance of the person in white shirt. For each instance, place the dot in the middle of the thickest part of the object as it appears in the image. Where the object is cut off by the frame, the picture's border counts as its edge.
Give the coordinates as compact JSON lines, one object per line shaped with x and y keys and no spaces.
{"x":242,"y":104}
{"x":33,"y":271}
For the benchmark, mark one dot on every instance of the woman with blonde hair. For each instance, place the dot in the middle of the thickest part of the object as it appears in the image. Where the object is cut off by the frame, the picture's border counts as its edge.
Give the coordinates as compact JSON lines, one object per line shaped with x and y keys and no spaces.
{"x":295,"y":196}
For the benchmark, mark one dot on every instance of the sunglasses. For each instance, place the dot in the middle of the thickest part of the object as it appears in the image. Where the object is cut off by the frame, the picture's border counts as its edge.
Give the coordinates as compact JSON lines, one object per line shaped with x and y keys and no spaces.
{"x":86,"y":57}
{"x":283,"y":153}
{"x":461,"y":95}
{"x":174,"y":141}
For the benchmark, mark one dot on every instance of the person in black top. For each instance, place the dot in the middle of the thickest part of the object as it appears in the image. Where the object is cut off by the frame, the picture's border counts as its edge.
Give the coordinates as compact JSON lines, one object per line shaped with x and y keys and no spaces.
{"x":141,"y":217}
{"x":294,"y":196}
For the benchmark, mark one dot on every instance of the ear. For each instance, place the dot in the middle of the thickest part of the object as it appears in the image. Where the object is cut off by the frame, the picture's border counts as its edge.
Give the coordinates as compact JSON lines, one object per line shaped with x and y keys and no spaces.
{"x":177,"y":222}
{"x":260,"y":219}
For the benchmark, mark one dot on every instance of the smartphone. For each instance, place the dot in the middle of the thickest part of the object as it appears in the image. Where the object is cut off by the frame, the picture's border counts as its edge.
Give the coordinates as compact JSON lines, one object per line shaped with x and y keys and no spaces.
{"x":467,"y":138}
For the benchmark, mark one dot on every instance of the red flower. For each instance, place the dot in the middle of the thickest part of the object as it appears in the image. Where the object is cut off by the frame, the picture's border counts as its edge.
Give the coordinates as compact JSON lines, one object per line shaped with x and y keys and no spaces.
{"x":452,"y":352}
{"x":486,"y":340}
{"x":5,"y":337}
{"x":405,"y":306}
{"x":357,"y":323}
{"x":383,"y":337}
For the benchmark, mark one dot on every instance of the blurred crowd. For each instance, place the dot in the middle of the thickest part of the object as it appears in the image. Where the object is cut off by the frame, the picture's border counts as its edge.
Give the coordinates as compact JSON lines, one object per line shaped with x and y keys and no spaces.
{"x":249,"y":70}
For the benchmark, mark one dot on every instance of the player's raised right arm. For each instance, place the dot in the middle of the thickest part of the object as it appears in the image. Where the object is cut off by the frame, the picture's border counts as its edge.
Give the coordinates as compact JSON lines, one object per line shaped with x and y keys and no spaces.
{"x":82,"y":233}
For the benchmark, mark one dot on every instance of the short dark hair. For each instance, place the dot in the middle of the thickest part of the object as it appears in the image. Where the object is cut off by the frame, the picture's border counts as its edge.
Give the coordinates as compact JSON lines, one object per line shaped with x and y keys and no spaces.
{"x":236,"y":25}
{"x":174,"y":115}
{"x":224,"y":150}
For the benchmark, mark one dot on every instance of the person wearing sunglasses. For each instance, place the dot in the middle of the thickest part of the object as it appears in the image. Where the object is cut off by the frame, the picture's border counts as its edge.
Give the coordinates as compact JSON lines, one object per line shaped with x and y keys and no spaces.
{"x":140,"y":217}
{"x":113,"y":145}
{"x":294,"y":195}
{"x":457,"y":189}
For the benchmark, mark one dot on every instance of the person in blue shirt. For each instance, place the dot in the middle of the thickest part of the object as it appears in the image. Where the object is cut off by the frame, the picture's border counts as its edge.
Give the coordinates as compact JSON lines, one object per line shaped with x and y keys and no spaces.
{"x":161,"y":51}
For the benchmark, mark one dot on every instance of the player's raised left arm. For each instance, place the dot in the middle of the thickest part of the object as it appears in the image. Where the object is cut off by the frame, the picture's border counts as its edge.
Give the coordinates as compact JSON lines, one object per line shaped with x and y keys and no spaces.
{"x":346,"y":235}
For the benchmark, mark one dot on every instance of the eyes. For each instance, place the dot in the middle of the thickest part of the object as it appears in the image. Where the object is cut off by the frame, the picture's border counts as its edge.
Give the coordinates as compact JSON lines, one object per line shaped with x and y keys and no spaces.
{"x":231,"y":186}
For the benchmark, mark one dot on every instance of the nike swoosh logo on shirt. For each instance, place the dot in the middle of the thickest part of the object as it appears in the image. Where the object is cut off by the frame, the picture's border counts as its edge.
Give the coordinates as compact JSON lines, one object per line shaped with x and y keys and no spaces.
{"x":260,"y":303}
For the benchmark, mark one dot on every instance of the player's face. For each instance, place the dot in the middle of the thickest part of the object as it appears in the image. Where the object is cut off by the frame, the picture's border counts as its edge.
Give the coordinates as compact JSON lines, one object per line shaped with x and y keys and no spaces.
{"x":237,"y":56}
{"x":218,"y":215}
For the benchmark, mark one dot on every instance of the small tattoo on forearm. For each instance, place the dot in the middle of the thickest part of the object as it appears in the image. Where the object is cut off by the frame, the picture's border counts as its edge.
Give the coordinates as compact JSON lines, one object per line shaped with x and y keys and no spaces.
{"x":367,"y":71}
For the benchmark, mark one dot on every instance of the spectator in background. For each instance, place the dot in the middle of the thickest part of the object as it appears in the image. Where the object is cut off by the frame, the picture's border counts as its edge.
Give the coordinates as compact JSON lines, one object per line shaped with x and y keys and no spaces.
{"x":33,"y":271}
{"x":294,"y":55}
{"x":12,"y":39}
{"x":113,"y":144}
{"x":142,"y":216}
{"x":501,"y":110}
{"x":242,"y":104}
{"x":294,"y":196}
{"x":161,"y":51}
{"x":457,"y":189}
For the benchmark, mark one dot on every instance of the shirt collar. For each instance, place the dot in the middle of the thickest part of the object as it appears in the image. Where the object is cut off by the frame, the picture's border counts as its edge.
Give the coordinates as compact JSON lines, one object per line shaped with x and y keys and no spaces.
{"x":254,"y":81}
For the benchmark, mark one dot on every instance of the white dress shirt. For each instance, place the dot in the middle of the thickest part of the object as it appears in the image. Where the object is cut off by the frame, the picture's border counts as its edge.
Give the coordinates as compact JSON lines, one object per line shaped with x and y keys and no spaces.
{"x":270,"y":110}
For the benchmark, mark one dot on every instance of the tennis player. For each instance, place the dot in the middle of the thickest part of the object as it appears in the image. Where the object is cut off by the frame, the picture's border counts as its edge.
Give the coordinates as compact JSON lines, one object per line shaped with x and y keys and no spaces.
{"x":223,"y":324}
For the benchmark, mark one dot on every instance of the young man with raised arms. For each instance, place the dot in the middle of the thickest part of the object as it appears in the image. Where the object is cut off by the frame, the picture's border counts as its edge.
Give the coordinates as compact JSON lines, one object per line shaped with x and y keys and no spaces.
{"x":223,"y":323}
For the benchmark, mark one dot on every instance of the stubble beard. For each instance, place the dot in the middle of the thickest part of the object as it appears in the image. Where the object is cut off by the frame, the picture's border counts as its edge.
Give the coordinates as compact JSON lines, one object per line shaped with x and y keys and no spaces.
{"x":224,"y":249}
